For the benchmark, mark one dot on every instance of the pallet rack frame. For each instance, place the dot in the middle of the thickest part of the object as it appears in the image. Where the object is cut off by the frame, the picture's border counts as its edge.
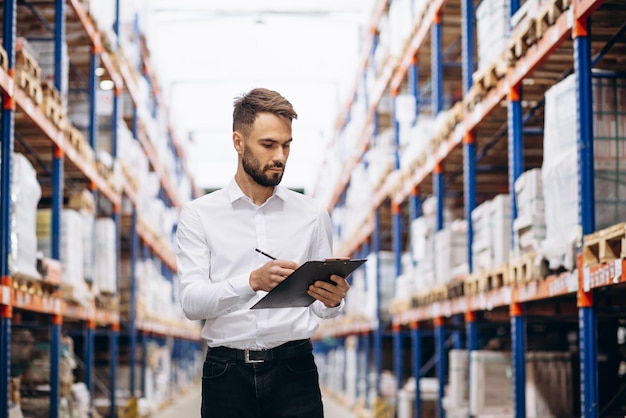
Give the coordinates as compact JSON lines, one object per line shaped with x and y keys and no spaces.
{"x":573,"y":21}
{"x":12,"y":299}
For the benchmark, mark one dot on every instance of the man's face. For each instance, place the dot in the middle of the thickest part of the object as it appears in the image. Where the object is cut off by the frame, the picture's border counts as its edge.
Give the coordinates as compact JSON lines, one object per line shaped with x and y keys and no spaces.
{"x":266,"y":149}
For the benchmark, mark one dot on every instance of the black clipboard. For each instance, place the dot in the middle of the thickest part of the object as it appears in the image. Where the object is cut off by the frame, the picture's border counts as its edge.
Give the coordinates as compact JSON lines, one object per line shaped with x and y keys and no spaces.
{"x":292,"y":292}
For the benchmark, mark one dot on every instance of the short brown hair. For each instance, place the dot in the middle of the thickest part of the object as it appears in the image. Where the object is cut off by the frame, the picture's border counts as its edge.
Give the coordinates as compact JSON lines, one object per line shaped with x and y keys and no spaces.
{"x":248,"y":105}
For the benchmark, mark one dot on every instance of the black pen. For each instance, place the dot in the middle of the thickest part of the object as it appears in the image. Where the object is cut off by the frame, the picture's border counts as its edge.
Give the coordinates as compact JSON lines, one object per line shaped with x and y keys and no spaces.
{"x":265,"y":254}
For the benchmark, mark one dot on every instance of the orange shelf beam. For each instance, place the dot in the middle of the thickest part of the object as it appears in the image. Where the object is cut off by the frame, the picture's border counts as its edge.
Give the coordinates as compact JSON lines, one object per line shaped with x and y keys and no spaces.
{"x":584,"y":8}
{"x":35,"y":303}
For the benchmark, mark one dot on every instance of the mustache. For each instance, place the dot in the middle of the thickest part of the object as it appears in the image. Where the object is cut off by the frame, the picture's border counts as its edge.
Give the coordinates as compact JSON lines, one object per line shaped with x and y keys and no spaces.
{"x":276,"y":165}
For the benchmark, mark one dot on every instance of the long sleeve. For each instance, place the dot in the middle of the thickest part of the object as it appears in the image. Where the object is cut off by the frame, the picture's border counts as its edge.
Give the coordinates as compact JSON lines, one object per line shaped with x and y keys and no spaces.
{"x":200,"y":297}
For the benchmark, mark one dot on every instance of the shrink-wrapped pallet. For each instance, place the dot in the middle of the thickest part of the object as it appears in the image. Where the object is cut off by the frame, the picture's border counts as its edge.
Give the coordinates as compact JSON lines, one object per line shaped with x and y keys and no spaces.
{"x":492,"y":29}
{"x":492,"y":233}
{"x":491,"y":388}
{"x":25,"y":195}
{"x":105,"y":272}
{"x":549,"y":388}
{"x":72,"y":251}
{"x":560,"y":165}
{"x":451,"y":252}
{"x":530,"y":224}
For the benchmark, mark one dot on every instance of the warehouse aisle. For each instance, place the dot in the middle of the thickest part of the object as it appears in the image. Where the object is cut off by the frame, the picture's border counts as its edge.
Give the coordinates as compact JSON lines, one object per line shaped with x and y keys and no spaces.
{"x":188,"y":406}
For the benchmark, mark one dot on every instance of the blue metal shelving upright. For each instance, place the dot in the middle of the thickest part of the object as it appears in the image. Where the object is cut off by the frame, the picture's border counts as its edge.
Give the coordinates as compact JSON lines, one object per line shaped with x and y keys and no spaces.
{"x":436,"y":50}
{"x":586,"y":206}
{"x":6,"y":155}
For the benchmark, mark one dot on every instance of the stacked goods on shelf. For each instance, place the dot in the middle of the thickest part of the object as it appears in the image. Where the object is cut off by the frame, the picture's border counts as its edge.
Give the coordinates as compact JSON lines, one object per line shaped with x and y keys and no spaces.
{"x":423,"y":233}
{"x":492,"y":233}
{"x":530,"y":225}
{"x":356,"y":210}
{"x":560,"y":165}
{"x":456,"y":399}
{"x":423,"y":250}
{"x":43,"y":51}
{"x":399,"y":28}
{"x":549,"y":388}
{"x":609,"y":122}
{"x":30,"y":366}
{"x":133,"y":162}
{"x":73,"y":255}
{"x":381,"y":158}
{"x":25,"y":195}
{"x":383,"y":265}
{"x":451,"y":252}
{"x":492,"y":30}
{"x":405,"y":284}
{"x":105,"y":268}
{"x":360,"y":303}
{"x":414,"y":142}
{"x":27,"y":71}
{"x":490,"y":386}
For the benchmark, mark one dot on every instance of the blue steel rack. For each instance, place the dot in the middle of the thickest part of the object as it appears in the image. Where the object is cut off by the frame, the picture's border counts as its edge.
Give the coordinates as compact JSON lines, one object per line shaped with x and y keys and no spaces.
{"x":570,"y":23}
{"x":12,"y":300}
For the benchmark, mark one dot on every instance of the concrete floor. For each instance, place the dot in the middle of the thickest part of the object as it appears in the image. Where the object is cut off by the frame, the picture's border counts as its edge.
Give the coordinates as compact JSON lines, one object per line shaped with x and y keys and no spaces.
{"x":188,"y":406}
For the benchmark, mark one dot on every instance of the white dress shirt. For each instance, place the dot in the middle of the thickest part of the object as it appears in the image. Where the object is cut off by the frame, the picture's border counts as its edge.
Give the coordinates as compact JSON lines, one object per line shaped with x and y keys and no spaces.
{"x":217,"y":235}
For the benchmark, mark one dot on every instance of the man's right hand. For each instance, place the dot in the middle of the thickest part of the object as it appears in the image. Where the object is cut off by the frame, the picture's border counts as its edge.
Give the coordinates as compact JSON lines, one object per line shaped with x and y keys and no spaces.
{"x":269,"y":275}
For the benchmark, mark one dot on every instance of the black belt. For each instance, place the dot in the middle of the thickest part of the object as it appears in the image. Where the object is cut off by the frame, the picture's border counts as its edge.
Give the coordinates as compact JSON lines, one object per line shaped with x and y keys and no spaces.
{"x":282,"y":352}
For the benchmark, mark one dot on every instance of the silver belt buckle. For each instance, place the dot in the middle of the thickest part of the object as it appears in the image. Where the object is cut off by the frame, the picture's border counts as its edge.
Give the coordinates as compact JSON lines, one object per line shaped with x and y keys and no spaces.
{"x":246,"y":357}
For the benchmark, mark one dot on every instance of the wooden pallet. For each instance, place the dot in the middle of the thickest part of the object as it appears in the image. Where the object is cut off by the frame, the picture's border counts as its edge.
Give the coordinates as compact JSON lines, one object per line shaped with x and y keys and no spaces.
{"x":473,"y":96}
{"x":605,"y":245}
{"x":30,"y":85}
{"x":49,"y":90}
{"x":107,"y":302}
{"x":79,"y":142}
{"x":526,"y":269}
{"x":548,"y":14}
{"x":434,"y":294}
{"x":33,"y":286}
{"x":531,"y":30}
{"x":24,"y":61}
{"x":475,"y":283}
{"x":53,"y":111}
{"x":498,"y":277}
{"x":487,"y":76}
{"x":456,"y":288}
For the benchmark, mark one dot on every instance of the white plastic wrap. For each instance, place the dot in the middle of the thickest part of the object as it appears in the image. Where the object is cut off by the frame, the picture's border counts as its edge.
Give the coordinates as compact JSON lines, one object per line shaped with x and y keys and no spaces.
{"x":560,"y":165}
{"x":105,"y":272}
{"x":451,"y":251}
{"x":25,"y":195}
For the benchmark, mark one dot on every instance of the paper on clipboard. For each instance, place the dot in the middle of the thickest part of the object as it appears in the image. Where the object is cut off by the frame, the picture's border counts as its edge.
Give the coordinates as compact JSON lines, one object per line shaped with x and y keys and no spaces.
{"x":292,"y":292}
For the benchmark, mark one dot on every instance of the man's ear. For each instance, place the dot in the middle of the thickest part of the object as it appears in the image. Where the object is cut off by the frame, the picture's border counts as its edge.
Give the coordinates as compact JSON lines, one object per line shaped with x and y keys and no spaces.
{"x":238,"y":142}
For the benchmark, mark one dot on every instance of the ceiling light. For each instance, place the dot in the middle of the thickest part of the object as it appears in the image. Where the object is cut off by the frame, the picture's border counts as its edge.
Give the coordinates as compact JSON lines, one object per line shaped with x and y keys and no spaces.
{"x":107,"y":85}
{"x":99,"y":71}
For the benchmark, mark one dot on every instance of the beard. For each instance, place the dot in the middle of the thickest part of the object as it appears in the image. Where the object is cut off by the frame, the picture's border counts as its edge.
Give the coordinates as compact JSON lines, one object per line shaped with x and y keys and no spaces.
{"x":252,"y":167}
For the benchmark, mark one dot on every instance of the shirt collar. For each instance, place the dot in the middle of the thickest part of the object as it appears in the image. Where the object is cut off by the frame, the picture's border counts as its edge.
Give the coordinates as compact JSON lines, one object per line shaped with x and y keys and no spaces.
{"x":235,"y":193}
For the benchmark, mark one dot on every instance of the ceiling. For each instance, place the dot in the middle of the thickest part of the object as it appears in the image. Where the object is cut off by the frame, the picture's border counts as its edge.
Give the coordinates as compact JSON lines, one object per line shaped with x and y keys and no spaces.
{"x":206,"y":53}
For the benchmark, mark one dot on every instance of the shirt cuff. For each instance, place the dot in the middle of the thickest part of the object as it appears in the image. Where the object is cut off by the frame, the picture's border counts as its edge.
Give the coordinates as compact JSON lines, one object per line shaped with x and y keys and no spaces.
{"x":325,"y":313}
{"x":241,"y":286}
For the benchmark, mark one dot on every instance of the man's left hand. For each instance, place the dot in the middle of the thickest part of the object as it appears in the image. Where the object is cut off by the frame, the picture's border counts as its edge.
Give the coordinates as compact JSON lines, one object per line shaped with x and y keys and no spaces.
{"x":330,"y":294}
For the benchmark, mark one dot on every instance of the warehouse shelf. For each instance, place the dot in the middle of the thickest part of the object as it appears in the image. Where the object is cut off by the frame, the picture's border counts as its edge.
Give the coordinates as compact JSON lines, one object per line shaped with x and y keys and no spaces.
{"x":123,"y":78}
{"x":513,"y":83}
{"x":57,"y":152}
{"x":156,"y":327}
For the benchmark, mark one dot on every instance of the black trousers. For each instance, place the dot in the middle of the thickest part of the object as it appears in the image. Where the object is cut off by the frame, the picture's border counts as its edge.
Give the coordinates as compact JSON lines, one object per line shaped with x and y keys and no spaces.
{"x":278,"y":383}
